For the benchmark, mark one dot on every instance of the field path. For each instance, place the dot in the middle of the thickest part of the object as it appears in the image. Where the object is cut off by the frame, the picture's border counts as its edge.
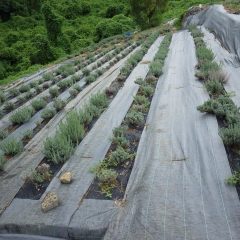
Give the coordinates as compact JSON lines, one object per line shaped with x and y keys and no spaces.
{"x":229,"y":63}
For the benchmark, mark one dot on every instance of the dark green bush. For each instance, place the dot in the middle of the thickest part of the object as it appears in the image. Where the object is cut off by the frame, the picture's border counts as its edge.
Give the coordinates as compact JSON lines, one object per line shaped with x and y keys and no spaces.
{"x":59,"y":104}
{"x":114,"y":26}
{"x":113,"y":10}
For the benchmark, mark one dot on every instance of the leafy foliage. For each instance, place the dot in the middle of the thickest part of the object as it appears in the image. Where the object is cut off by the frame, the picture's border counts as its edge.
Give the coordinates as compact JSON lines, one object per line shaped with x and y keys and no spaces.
{"x":113,"y":26}
{"x":146,"y":12}
{"x":53,"y":22}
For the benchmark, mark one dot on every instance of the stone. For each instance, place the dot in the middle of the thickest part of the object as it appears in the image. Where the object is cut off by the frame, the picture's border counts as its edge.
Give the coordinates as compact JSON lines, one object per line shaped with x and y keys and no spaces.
{"x":66,"y":178}
{"x":50,"y":201}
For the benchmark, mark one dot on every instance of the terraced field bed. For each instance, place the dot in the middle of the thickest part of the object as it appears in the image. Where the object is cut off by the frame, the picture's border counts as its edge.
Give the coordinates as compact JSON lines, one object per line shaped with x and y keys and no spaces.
{"x":131,"y":141}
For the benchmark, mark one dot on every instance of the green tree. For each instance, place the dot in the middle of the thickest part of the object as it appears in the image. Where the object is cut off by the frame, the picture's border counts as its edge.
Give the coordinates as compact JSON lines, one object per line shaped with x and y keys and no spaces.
{"x":43,"y":51}
{"x":33,"y":5}
{"x":146,"y":12}
{"x":114,"y":10}
{"x":5,"y":10}
{"x":53,"y":23}
{"x":116,"y":25}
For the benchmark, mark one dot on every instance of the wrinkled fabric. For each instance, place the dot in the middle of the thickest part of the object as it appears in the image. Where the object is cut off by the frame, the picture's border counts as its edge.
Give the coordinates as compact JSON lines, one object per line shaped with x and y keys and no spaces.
{"x":177,"y":187}
{"x":225,"y":26}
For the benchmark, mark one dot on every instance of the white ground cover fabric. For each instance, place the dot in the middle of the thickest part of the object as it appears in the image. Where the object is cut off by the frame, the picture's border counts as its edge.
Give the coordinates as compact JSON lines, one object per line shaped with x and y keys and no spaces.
{"x":177,"y":189}
{"x":224,"y":25}
{"x":228,"y":63}
{"x":64,"y":220}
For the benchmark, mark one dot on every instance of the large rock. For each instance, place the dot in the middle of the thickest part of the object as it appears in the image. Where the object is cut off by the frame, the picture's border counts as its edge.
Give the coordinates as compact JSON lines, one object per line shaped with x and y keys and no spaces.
{"x":50,"y":201}
{"x":66,"y":178}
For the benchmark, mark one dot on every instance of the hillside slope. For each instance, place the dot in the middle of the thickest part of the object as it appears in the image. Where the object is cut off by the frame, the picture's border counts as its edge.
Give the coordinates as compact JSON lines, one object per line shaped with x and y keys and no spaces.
{"x":23,"y":43}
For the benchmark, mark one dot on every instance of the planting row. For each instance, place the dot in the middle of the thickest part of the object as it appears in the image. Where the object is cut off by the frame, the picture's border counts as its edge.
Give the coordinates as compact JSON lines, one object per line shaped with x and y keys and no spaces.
{"x":36,"y":87}
{"x":113,"y":172}
{"x":87,"y":55}
{"x":29,"y":129}
{"x":71,"y":136}
{"x":63,"y":84}
{"x":220,"y":104}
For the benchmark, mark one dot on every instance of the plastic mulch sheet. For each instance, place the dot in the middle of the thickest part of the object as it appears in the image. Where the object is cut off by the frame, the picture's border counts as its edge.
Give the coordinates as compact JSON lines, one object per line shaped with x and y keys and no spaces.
{"x":224,"y":25}
{"x":230,"y":66}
